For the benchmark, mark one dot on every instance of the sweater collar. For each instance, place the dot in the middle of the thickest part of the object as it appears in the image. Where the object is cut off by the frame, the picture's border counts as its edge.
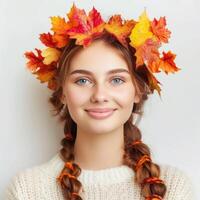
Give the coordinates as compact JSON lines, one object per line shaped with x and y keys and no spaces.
{"x":105,"y":176}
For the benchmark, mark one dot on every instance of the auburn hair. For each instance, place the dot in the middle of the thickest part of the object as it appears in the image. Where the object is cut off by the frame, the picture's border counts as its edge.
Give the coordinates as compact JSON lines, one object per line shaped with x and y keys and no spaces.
{"x":67,"y":179}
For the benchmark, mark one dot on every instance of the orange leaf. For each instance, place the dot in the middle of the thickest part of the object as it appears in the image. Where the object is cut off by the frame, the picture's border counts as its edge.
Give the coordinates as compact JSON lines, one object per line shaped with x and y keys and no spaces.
{"x":43,"y":72}
{"x":153,"y":83}
{"x":148,"y":52}
{"x":167,"y":63}
{"x":59,"y":26}
{"x":154,"y":66}
{"x":148,"y":77}
{"x":45,"y":75}
{"x":52,"y":84}
{"x":158,"y":27}
{"x":75,"y":14}
{"x":120,"y":29}
{"x":47,"y":40}
{"x":85,"y":28}
{"x":60,"y":40}
{"x":35,"y":61}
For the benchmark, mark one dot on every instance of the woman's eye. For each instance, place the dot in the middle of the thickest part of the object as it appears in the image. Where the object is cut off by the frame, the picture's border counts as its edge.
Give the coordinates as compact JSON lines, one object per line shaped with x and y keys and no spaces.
{"x":119,"y":80}
{"x":82,"y":81}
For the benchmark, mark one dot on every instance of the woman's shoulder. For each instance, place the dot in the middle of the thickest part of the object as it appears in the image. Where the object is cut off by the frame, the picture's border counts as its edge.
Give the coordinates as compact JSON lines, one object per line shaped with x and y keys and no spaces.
{"x":49,"y":167}
{"x":33,"y":178}
{"x":168,"y":171}
{"x":178,"y":182}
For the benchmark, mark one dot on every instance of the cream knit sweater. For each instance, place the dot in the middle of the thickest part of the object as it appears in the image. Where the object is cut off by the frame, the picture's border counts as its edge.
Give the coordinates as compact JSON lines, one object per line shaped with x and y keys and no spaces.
{"x":39,"y":183}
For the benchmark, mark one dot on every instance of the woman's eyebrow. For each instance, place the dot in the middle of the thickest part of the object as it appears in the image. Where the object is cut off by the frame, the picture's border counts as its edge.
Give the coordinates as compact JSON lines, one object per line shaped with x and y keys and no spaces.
{"x":83,"y":71}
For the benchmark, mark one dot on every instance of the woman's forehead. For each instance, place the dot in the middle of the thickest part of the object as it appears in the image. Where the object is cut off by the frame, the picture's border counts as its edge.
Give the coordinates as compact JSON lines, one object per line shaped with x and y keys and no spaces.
{"x":98,"y":56}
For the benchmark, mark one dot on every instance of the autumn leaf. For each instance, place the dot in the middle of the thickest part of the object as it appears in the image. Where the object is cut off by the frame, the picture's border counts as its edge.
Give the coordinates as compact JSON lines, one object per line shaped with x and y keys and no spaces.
{"x":154,"y":66}
{"x":148,"y":77}
{"x":45,"y":75}
{"x":43,"y":72}
{"x":59,"y":25}
{"x":85,"y":28}
{"x":50,"y":55}
{"x":158,"y":27}
{"x":75,"y":14}
{"x":60,"y":28}
{"x":167,"y":64}
{"x":153,"y":83}
{"x":52,"y":84}
{"x":147,"y":53}
{"x":34,"y":60}
{"x":61,"y":40}
{"x":141,"y":32}
{"x":47,"y":40}
{"x":119,"y":29}
{"x":55,"y":40}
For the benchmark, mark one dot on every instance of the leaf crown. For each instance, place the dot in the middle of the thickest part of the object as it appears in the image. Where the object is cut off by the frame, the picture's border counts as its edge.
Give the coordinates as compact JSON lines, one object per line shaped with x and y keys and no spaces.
{"x":144,"y":35}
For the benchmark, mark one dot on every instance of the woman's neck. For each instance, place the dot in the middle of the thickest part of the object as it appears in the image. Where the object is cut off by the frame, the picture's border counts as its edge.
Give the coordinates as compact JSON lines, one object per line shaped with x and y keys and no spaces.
{"x":99,"y":150}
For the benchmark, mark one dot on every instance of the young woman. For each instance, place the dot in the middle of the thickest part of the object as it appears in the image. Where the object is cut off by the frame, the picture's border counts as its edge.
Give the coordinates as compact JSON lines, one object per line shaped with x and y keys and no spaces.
{"x":99,"y":94}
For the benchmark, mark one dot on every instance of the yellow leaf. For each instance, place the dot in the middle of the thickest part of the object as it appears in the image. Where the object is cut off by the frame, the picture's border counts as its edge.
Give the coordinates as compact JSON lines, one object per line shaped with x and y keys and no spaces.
{"x":59,"y":25}
{"x":119,"y":28}
{"x":141,"y":31}
{"x":50,"y":55}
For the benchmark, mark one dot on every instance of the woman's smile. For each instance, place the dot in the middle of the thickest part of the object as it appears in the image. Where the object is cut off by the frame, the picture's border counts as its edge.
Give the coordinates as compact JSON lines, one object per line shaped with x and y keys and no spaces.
{"x":100,"y":114}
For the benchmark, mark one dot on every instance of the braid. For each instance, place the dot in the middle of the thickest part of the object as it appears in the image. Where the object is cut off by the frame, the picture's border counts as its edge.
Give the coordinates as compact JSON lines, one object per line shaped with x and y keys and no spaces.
{"x":67,"y":179}
{"x":70,"y":185}
{"x":138,"y":157}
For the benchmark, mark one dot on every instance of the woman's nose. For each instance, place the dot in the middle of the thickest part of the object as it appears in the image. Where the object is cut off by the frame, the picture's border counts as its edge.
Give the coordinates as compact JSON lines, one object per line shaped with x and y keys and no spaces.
{"x":99,"y":93}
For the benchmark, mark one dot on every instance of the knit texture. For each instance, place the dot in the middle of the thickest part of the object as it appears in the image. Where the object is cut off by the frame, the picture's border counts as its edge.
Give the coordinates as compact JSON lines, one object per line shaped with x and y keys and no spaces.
{"x":117,"y":183}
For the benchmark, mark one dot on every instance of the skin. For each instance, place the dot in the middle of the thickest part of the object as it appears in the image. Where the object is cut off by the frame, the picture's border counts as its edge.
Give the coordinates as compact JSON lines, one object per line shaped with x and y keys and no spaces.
{"x":99,"y":143}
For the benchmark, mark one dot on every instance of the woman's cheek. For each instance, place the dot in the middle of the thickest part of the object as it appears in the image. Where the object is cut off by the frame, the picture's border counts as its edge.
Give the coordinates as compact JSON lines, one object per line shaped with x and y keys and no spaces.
{"x":125,"y":95}
{"x":77,"y":96}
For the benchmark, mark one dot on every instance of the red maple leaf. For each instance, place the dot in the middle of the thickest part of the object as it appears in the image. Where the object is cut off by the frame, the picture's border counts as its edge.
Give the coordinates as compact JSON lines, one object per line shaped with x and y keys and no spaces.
{"x":158,"y":27}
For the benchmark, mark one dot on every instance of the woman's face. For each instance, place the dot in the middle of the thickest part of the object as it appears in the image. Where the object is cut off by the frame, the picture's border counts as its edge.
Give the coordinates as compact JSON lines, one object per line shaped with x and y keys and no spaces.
{"x":99,"y":77}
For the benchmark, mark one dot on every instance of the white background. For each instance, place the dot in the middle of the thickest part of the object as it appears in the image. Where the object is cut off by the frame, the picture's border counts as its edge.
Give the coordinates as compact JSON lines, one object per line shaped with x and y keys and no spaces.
{"x":31,"y":136}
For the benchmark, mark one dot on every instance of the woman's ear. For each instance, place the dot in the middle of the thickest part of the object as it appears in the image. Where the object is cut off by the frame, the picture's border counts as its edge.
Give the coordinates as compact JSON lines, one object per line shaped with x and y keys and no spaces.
{"x":137,"y":99}
{"x":62,"y":98}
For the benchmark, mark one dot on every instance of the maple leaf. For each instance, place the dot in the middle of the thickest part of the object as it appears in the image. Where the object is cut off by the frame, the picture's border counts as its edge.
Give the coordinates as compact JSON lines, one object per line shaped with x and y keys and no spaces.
{"x":154,"y":66}
{"x":50,"y":55}
{"x":55,"y":40}
{"x":147,"y":53}
{"x":60,"y":28}
{"x":52,"y":84}
{"x":60,"y":40}
{"x":141,"y":32}
{"x":74,"y":16}
{"x":43,"y":72}
{"x":45,"y":75}
{"x":84,"y":28}
{"x":59,"y":25}
{"x":167,"y":64}
{"x":35,"y":61}
{"x":158,"y":27}
{"x":153,"y":83}
{"x":47,"y":40}
{"x":119,"y":29}
{"x":148,"y":77}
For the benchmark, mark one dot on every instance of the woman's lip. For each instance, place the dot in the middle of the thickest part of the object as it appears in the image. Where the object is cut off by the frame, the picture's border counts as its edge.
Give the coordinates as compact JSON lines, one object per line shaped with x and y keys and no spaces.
{"x":100,"y":115}
{"x":100,"y":109}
